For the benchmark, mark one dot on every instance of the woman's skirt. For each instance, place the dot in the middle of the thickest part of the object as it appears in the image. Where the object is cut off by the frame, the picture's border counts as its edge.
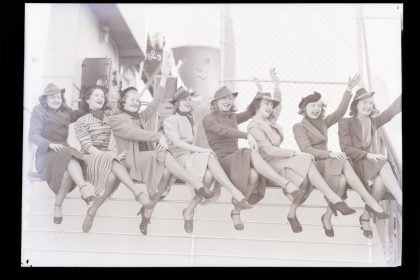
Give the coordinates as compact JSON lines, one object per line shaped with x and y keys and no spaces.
{"x":150,"y":167}
{"x":52,"y":165}
{"x":237,"y":166}
{"x":331,"y":169}
{"x":196,"y":166}
{"x":294,"y":169}
{"x":368,"y":170}
{"x":99,"y":166}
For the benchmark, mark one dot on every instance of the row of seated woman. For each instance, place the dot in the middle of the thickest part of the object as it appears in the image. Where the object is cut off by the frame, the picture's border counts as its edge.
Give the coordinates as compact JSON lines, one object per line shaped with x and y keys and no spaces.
{"x":159,"y":158}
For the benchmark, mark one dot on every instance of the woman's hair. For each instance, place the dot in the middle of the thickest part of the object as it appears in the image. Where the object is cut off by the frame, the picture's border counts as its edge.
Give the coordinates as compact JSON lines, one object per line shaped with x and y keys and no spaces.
{"x":254,"y":106}
{"x":214,"y":108}
{"x":88,"y":92}
{"x":122,"y":97}
{"x":302,"y":111}
{"x":43,"y":101}
{"x":353,"y":109}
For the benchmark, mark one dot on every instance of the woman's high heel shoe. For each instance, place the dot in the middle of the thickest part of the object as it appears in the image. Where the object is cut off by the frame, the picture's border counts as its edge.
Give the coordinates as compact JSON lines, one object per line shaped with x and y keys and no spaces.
{"x":87,"y":223}
{"x":57,"y":220}
{"x":243,"y":204}
{"x":295,"y":224}
{"x":297,"y":195}
{"x":203,"y":192}
{"x":367,"y":233}
{"x":379,"y":215}
{"x":88,"y":193}
{"x":239,"y":226}
{"x":188,"y":224}
{"x":328,"y":232}
{"x":144,"y":221}
{"x":342,"y":207}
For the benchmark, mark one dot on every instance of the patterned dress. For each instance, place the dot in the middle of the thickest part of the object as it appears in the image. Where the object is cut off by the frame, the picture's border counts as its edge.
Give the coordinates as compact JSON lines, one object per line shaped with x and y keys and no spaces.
{"x":94,"y":131}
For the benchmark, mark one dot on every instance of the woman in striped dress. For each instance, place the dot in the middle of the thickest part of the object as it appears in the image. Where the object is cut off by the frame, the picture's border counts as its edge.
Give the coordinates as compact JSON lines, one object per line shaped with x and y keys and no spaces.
{"x":104,"y":167}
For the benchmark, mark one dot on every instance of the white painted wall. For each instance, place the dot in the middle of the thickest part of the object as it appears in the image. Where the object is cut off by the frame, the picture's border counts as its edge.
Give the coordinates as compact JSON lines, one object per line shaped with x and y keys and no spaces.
{"x":73,"y":35}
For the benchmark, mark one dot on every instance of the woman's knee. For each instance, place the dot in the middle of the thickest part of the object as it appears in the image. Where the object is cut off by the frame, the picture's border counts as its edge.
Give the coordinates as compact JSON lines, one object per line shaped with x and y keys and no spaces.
{"x":253,"y":176}
{"x":343,"y":182}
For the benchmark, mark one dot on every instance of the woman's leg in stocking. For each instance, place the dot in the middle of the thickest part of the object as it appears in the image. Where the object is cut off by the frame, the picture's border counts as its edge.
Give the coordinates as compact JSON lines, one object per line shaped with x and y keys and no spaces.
{"x":357,"y":185}
{"x":391,"y":182}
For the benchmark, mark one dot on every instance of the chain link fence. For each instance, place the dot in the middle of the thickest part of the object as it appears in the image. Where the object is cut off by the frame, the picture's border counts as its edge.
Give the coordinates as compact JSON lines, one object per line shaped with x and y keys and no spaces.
{"x":313,"y":48}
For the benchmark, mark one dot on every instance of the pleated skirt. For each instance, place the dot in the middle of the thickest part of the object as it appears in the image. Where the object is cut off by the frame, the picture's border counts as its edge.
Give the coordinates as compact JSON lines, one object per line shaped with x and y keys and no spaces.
{"x":99,"y":166}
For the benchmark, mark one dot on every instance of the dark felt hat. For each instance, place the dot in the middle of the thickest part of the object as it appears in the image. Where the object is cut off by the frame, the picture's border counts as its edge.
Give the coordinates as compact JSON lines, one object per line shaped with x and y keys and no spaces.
{"x":181,"y":93}
{"x":361,"y":93}
{"x":223,"y":92}
{"x":266,"y":96}
{"x":314,"y":97}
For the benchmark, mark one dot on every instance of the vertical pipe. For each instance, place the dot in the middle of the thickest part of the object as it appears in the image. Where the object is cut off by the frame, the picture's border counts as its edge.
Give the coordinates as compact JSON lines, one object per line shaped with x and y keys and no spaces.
{"x":366,"y":48}
{"x":222,"y":44}
{"x":360,"y":46}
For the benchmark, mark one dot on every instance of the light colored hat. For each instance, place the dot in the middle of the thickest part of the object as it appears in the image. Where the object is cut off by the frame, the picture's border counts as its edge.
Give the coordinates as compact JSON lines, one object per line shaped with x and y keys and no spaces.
{"x":52,"y":89}
{"x":266,"y":96}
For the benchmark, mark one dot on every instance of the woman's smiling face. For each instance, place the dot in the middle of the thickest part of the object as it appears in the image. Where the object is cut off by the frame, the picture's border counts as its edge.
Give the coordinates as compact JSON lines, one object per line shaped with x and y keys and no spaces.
{"x":225,"y":103}
{"x":314,"y":109}
{"x":54,"y":101}
{"x":96,"y":100}
{"x":185,"y":104}
{"x":265,"y":109}
{"x":365,"y":106}
{"x":132,"y":101}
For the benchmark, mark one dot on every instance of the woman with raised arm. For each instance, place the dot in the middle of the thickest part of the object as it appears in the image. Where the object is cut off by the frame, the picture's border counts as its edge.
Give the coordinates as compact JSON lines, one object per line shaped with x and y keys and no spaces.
{"x":356,"y":140}
{"x":181,"y":131}
{"x":243,"y":166}
{"x":153,"y":167}
{"x":105,"y":169}
{"x":311,"y":135}
{"x":298,"y":167}
{"x":59,"y":164}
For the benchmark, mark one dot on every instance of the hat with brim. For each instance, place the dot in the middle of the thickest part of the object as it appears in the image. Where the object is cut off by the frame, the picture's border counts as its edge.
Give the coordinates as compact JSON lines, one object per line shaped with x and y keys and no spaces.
{"x":266,"y":96}
{"x":52,"y":89}
{"x":180,"y":94}
{"x":223,"y":92}
{"x":362,"y":93}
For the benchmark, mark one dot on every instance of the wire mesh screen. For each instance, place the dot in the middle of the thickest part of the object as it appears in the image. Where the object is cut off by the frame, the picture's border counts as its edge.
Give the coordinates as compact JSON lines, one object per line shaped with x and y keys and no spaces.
{"x":313,"y":48}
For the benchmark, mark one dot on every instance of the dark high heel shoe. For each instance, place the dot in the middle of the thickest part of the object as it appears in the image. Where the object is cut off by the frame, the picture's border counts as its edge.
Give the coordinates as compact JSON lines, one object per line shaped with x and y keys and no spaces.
{"x":342,"y":207}
{"x":297,"y":195}
{"x":367,"y":233}
{"x":87,"y":223}
{"x":295,"y":224}
{"x":57,"y":220}
{"x":144,"y":221}
{"x":328,"y":232}
{"x":379,"y":215}
{"x":203,"y":192}
{"x":237,"y":226}
{"x":243,"y":204}
{"x":188,"y":224}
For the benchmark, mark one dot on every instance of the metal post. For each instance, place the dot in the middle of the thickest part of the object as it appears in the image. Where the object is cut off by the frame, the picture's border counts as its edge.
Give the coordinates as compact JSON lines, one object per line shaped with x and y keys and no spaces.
{"x":360,"y":45}
{"x":366,"y":48}
{"x":222,"y":45}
